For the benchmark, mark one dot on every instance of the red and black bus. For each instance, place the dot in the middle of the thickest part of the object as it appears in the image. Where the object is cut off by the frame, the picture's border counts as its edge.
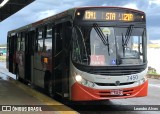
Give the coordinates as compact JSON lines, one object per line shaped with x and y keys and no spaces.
{"x":86,"y":53}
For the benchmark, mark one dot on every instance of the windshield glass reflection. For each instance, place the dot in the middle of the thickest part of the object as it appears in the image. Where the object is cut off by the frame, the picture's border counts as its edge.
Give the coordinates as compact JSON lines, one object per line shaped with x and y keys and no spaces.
{"x":108,"y":46}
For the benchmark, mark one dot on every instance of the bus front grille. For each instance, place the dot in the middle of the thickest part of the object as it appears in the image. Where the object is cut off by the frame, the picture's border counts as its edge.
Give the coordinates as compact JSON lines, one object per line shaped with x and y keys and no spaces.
{"x":113,"y":84}
{"x":111,"y":70}
{"x":115,"y":72}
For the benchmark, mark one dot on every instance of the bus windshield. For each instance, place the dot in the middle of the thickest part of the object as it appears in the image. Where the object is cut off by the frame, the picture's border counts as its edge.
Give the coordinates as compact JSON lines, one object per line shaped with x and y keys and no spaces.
{"x":108,"y":46}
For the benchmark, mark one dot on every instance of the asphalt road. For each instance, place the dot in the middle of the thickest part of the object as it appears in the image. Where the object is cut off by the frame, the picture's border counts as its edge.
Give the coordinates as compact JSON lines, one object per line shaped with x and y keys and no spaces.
{"x":124,"y":106}
{"x":129,"y":105}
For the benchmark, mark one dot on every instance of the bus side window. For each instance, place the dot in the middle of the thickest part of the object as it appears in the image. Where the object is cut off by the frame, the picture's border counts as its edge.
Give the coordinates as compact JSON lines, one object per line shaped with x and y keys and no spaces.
{"x":22,"y":48}
{"x":40,"y":33}
{"x":40,"y":39}
{"x":48,"y":45}
{"x":49,"y":32}
{"x":48,"y":39}
{"x":18,"y":44}
{"x":40,"y":45}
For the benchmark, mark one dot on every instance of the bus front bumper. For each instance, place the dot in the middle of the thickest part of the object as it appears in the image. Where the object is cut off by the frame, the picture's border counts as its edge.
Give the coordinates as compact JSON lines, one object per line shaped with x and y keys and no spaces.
{"x":82,"y":93}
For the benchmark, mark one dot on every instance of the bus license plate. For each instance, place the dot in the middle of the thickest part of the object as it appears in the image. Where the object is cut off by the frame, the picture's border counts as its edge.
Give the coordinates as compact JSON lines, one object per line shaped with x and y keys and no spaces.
{"x":116,"y":92}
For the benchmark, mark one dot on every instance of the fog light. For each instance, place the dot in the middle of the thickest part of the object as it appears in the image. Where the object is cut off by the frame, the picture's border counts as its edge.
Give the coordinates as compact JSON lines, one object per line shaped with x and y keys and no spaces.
{"x":90,"y":84}
{"x":140,"y":82}
{"x":84,"y":82}
{"x":78,"y":78}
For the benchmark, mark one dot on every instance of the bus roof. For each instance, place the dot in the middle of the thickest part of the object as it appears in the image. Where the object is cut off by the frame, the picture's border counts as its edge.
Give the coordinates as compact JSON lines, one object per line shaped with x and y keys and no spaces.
{"x":51,"y":18}
{"x":114,"y":7}
{"x":64,"y":13}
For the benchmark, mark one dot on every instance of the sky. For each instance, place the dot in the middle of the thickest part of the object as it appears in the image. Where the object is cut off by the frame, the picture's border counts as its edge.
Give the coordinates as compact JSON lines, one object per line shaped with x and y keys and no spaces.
{"x":43,"y":8}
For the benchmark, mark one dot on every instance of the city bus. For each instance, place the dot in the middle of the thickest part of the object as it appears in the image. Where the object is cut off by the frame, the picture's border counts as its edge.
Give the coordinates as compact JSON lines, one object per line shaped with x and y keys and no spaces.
{"x":83,"y":54}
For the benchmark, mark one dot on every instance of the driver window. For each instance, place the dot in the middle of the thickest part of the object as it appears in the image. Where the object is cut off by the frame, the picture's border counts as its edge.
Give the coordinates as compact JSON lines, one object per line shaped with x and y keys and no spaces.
{"x":101,"y":49}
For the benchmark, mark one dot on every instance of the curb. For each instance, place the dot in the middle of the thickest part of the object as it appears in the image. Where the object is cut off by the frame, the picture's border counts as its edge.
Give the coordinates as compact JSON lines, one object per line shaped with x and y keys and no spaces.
{"x":63,"y":109}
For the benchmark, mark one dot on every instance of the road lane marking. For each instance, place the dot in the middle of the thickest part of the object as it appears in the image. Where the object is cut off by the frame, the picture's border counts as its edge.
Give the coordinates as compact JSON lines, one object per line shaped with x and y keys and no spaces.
{"x":153,"y":85}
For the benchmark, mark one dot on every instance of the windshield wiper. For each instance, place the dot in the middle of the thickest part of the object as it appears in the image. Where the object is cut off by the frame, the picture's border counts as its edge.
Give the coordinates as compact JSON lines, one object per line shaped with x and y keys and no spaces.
{"x":123,"y":45}
{"x":102,"y":36}
{"x":128,"y":35}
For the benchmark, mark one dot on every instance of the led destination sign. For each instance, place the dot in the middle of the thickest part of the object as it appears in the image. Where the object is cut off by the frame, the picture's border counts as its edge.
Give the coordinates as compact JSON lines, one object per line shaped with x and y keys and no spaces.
{"x":111,"y":16}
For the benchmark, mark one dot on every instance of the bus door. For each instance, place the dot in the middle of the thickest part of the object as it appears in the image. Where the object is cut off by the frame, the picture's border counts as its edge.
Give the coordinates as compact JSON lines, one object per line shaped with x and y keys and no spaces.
{"x":38,"y":78}
{"x":28,"y":54}
{"x":11,"y":52}
{"x":57,"y":60}
{"x":21,"y":55}
{"x":61,"y":60}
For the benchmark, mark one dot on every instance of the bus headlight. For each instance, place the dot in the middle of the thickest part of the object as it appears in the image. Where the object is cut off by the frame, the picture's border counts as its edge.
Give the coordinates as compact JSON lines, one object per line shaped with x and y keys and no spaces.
{"x":83,"y":81}
{"x":78,"y":78}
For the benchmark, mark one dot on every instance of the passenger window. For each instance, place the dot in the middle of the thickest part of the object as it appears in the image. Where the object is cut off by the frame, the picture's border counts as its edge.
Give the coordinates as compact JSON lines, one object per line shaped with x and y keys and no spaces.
{"x":22,"y":46}
{"x":18,"y":44}
{"x":40,"y":36}
{"x":49,"y":31}
{"x":23,"y":43}
{"x":40,"y":45}
{"x":48,"y":45}
{"x":40,"y":33}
